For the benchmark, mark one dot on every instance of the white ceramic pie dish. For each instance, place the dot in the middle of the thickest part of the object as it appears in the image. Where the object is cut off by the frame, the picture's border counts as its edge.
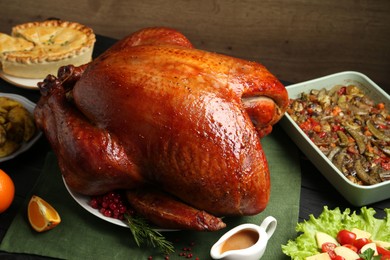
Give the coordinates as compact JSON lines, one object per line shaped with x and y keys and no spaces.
{"x":357,"y":195}
{"x":20,"y":82}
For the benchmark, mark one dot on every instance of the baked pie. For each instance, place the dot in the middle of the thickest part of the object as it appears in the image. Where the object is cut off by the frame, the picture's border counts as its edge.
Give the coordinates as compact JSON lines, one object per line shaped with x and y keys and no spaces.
{"x":37,"y":49}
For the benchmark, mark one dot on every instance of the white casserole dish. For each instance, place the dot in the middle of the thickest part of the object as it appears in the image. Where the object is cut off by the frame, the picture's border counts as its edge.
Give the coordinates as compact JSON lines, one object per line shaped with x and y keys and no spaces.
{"x":357,"y":195}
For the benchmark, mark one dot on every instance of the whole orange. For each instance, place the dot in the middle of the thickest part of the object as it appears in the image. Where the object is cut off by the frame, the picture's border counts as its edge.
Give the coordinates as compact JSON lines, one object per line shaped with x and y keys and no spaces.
{"x":7,"y":191}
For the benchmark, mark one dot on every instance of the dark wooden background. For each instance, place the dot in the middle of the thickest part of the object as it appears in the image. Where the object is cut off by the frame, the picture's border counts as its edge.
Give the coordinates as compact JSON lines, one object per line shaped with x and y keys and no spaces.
{"x":296,"y":39}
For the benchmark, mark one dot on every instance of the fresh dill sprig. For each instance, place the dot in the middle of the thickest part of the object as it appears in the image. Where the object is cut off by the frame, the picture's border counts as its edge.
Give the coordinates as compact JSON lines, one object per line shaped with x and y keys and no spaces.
{"x":144,"y":234}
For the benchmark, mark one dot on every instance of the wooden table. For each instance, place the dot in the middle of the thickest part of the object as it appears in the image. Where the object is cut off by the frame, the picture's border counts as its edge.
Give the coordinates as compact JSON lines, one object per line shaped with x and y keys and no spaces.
{"x":316,"y":191}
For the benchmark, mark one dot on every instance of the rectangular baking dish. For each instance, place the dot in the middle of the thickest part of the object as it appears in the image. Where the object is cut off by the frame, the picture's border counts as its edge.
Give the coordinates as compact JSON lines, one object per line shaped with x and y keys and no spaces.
{"x":356,"y":194}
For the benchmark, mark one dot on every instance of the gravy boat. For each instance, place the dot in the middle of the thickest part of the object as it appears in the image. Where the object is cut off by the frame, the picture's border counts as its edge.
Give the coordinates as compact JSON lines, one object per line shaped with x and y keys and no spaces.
{"x":246,"y":241}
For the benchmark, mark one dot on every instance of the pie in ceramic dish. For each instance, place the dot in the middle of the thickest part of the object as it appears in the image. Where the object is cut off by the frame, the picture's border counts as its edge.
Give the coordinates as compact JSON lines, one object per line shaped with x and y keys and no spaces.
{"x":36,"y":49}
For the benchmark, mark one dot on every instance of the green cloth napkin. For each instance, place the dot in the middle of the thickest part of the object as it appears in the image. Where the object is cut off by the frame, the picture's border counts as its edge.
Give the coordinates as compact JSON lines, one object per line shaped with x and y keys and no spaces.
{"x":82,"y":235}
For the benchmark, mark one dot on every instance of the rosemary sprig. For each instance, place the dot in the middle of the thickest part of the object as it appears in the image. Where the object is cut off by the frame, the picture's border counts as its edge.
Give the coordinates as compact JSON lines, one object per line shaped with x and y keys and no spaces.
{"x":144,"y":234}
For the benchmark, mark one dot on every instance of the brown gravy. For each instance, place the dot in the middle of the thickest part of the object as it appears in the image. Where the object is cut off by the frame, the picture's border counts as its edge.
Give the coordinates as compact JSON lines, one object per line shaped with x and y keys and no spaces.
{"x":241,"y":240}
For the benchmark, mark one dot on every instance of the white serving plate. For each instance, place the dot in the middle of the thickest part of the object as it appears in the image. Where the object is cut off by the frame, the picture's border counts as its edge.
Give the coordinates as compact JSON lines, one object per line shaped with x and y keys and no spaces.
{"x":20,"y":82}
{"x":357,"y":195}
{"x":30,"y":107}
{"x":83,"y":201}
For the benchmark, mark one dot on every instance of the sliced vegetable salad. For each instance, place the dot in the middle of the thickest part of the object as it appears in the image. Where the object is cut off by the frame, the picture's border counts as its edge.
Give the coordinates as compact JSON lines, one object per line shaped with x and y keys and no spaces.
{"x":333,"y":223}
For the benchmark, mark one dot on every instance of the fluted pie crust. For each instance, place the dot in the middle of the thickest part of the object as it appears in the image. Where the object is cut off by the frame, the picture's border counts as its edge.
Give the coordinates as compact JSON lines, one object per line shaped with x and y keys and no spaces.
{"x":37,"y":49}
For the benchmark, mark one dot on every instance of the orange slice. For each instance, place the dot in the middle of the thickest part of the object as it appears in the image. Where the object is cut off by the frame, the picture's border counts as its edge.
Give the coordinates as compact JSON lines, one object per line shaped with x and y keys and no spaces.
{"x":41,"y":215}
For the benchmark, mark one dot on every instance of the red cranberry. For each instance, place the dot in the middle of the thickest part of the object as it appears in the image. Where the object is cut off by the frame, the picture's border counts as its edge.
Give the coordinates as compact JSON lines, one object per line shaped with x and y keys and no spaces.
{"x":111,"y":204}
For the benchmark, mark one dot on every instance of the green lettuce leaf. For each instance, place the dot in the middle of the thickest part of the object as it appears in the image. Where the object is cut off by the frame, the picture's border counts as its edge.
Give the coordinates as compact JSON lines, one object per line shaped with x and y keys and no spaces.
{"x":331,"y":222}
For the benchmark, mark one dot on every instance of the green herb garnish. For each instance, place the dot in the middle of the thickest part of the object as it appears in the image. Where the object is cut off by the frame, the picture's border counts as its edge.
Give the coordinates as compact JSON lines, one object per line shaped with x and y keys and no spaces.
{"x":144,"y":234}
{"x":369,"y":255}
{"x":65,"y":43}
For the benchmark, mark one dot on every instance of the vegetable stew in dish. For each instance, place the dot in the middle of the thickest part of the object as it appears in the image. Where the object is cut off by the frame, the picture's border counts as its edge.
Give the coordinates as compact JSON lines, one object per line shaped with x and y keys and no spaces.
{"x":349,"y":128}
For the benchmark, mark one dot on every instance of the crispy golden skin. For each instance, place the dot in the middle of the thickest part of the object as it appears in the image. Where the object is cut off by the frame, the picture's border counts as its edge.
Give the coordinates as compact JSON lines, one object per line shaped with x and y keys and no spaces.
{"x":154,"y":110}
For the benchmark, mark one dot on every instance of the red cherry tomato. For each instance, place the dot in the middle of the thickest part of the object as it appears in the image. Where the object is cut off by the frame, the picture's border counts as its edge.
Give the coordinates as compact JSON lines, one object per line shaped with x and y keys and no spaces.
{"x":329,"y":247}
{"x":345,"y":237}
{"x":352,"y":247}
{"x":332,"y":254}
{"x":359,"y":243}
{"x":383,"y":251}
{"x":338,"y":257}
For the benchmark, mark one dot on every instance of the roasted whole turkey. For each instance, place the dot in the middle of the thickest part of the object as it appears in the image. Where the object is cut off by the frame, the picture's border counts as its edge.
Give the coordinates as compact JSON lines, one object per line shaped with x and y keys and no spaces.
{"x":177,"y":127}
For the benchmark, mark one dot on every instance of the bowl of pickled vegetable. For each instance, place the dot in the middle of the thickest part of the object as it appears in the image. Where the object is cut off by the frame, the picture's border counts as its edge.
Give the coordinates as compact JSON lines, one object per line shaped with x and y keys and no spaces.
{"x":341,"y":122}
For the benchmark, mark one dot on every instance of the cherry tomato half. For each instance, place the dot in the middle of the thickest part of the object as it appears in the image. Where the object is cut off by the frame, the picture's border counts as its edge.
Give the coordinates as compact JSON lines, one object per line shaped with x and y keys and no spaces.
{"x":346,"y":237}
{"x":332,"y":254}
{"x":338,"y":257}
{"x":359,"y":243}
{"x":383,"y":251}
{"x":352,"y":247}
{"x":329,"y":247}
